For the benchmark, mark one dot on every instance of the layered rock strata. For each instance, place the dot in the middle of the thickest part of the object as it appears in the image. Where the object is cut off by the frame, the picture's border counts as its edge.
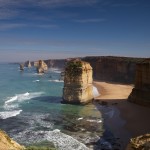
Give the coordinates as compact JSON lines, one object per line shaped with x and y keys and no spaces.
{"x":77,"y":82}
{"x":141,"y":92}
{"x":41,"y":66}
{"x":6,"y":143}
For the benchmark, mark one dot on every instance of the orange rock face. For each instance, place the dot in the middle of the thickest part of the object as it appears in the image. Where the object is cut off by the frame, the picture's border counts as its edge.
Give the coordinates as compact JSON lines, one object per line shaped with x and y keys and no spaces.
{"x":141,"y":93}
{"x":78,"y":82}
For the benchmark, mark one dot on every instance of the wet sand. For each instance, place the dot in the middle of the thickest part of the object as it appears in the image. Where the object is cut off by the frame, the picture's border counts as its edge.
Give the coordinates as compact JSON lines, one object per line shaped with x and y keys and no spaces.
{"x":135,"y":119}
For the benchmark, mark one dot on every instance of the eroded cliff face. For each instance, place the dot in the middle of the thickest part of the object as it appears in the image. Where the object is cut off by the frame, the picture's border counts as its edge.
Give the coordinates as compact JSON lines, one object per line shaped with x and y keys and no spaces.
{"x":114,"y":69}
{"x":41,"y":66}
{"x":6,"y":143}
{"x":78,"y":82}
{"x":141,"y":92}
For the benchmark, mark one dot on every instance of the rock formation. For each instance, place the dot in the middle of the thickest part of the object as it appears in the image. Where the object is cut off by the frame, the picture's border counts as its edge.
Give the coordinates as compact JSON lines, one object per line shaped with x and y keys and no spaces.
{"x":113,"y":69}
{"x":77,"y":82}
{"x":41,"y":66}
{"x":141,"y":92}
{"x":140,"y":143}
{"x":6,"y":143}
{"x":21,"y":67}
{"x":28,"y":64}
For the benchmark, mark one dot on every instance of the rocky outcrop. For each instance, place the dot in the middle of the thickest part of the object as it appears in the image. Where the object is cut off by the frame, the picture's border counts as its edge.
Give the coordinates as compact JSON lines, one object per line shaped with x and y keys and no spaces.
{"x":21,"y":67}
{"x":77,"y":82}
{"x":113,"y":69}
{"x":27,"y":64}
{"x":140,"y":143}
{"x":6,"y":143}
{"x":41,"y":66}
{"x":141,"y":92}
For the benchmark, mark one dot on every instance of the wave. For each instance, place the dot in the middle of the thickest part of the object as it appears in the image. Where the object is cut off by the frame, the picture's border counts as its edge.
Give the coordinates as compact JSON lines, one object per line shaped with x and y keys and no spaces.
{"x":61,"y":141}
{"x":95,"y":92}
{"x":24,"y":96}
{"x":36,"y":81}
{"x":56,"y":80}
{"x":8,"y":114}
{"x":55,"y":70}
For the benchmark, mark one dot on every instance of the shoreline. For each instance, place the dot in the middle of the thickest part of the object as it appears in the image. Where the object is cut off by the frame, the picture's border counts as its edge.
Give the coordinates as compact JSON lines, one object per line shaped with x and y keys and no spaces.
{"x":133,"y":117}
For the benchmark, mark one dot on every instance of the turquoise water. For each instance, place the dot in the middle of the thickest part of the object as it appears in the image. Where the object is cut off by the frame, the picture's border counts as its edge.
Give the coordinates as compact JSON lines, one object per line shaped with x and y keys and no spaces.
{"x":31,"y":110}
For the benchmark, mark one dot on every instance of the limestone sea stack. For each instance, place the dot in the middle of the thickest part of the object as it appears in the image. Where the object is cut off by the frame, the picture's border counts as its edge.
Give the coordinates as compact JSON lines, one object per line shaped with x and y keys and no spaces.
{"x":6,"y":143}
{"x":21,"y":67}
{"x":28,"y":64}
{"x":141,"y":92}
{"x":78,"y":80}
{"x":41,"y":66}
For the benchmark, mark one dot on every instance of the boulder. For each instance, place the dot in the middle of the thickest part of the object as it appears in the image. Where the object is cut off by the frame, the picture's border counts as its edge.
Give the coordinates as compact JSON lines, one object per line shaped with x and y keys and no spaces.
{"x":141,"y":92}
{"x":140,"y":143}
{"x":6,"y":143}
{"x":78,"y":80}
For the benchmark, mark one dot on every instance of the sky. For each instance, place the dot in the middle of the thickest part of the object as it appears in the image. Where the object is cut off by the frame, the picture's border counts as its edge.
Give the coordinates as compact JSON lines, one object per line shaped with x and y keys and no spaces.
{"x":54,"y":29}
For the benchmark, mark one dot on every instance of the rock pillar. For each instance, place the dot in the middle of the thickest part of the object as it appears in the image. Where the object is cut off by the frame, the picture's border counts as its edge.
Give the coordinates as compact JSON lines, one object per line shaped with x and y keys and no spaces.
{"x":41,"y":66}
{"x":78,"y":80}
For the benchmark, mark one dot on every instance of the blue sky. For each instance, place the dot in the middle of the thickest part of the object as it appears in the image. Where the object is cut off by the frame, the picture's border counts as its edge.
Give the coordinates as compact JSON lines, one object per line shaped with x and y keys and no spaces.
{"x":46,"y":29}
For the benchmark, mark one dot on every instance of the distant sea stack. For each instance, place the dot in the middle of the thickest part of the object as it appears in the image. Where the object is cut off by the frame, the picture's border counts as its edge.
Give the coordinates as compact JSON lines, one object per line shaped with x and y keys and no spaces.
{"x":41,"y":66}
{"x":27,"y":64}
{"x":21,"y":67}
{"x":78,"y":88}
{"x":141,"y":92}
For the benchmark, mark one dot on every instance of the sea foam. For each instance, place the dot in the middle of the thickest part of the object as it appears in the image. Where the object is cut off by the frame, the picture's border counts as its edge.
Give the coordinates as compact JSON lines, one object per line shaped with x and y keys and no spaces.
{"x":95,"y":92}
{"x":8,"y":114}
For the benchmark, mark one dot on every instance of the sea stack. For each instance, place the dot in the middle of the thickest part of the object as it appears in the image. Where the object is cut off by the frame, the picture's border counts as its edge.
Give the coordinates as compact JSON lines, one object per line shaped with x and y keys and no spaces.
{"x":78,"y":88}
{"x":28,"y":64}
{"x":141,"y":92}
{"x":41,"y":66}
{"x":21,"y":67}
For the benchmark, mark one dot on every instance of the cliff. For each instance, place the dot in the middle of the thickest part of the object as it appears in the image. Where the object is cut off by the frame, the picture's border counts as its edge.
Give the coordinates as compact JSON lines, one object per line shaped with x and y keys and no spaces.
{"x":41,"y":66}
{"x":113,"y":69}
{"x":77,"y":82}
{"x":141,"y":92}
{"x":6,"y":143}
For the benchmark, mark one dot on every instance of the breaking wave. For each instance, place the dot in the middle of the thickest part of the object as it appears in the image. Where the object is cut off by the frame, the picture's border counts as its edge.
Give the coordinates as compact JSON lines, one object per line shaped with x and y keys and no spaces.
{"x":8,"y":114}
{"x":56,"y":80}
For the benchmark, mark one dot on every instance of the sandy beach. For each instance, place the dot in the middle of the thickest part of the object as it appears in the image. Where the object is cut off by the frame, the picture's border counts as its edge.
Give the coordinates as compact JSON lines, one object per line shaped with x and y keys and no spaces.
{"x":135,"y":118}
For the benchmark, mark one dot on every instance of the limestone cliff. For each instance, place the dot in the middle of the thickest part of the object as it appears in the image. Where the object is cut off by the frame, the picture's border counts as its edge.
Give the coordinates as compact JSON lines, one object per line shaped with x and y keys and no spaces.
{"x":78,"y":82}
{"x":141,"y":92}
{"x":41,"y":66}
{"x":6,"y":143}
{"x":140,"y":143}
{"x":114,"y":69}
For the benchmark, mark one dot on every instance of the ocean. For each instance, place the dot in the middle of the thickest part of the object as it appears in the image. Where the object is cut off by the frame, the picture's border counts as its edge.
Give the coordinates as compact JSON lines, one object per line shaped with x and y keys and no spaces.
{"x":31,"y":111}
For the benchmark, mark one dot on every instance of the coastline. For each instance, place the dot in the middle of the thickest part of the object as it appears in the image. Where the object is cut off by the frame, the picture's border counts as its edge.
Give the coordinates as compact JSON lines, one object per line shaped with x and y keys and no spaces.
{"x":135,"y":117}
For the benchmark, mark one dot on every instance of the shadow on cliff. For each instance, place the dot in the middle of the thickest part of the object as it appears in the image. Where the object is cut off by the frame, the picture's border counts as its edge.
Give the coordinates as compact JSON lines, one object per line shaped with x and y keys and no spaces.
{"x":48,"y":99}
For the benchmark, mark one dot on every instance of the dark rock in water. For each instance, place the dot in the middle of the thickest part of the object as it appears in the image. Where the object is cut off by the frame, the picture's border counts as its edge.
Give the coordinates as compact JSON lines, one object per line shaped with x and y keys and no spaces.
{"x":21,"y":67}
{"x":27,"y":64}
{"x":141,"y":92}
